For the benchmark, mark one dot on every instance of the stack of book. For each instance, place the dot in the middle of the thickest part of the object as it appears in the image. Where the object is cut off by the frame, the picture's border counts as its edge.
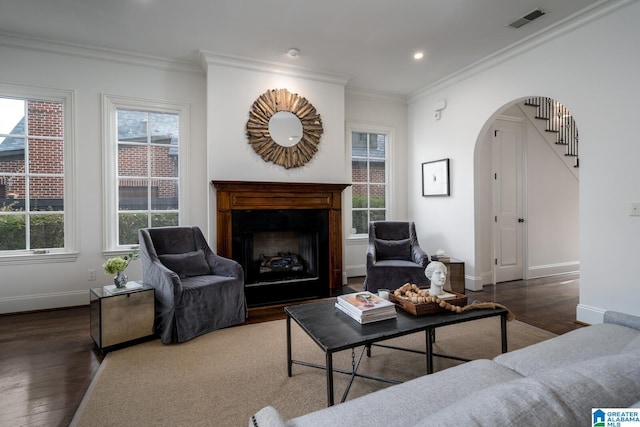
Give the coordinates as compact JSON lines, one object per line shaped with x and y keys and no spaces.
{"x":130,"y":286}
{"x":366,"y":307}
{"x":441,"y":258}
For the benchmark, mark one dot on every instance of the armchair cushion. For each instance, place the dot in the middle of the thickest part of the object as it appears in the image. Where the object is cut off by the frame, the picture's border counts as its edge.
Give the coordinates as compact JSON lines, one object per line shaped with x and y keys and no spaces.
{"x":188,"y":264}
{"x":393,"y":249}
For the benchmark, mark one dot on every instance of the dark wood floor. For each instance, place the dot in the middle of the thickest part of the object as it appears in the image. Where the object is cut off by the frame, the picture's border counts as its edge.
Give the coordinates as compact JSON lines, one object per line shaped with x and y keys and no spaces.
{"x":47,"y":358}
{"x":547,"y":303}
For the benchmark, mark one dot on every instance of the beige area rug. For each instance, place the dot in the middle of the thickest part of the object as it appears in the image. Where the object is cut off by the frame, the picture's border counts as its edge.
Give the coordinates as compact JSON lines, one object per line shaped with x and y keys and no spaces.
{"x":222,"y":378}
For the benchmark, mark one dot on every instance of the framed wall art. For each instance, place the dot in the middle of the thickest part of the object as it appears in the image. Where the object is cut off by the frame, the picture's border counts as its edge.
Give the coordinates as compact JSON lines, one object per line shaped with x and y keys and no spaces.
{"x":435,"y":178}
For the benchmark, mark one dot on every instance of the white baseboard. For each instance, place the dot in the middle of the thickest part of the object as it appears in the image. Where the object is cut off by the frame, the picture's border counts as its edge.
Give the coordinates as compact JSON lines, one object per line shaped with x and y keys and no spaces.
{"x":356,"y":270}
{"x":43,"y":301}
{"x":547,"y":270}
{"x":589,"y":315}
{"x":473,"y":283}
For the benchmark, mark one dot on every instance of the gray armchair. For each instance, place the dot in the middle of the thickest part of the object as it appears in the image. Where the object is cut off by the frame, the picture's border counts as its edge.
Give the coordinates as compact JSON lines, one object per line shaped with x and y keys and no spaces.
{"x":394,"y":256}
{"x":196,"y":290}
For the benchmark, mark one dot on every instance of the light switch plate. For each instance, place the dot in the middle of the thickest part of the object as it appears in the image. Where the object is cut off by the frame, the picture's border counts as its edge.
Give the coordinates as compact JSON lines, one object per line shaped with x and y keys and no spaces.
{"x":635,"y":209}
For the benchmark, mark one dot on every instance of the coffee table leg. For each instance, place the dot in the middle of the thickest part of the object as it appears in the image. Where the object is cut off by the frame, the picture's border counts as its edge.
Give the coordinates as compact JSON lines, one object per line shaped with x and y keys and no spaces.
{"x":429,"y":334}
{"x":289,"y":363}
{"x":503,"y":330}
{"x":329,"y":369}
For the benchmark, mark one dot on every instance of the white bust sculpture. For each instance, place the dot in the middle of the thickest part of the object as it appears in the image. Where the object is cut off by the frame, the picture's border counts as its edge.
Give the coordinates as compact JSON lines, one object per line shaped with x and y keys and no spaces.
{"x":436,"y":272}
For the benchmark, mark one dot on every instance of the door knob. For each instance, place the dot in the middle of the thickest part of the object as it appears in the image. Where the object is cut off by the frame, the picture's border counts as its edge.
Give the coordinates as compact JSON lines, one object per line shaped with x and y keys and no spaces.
{"x":520,"y":219}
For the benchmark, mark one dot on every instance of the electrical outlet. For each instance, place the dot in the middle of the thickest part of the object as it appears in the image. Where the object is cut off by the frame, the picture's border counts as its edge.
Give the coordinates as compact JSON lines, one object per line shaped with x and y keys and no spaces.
{"x":92,"y":274}
{"x":635,"y":209}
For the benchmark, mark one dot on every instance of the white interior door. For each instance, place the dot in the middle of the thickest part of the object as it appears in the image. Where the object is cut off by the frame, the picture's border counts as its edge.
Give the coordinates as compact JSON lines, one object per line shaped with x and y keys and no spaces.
{"x":507,"y":160}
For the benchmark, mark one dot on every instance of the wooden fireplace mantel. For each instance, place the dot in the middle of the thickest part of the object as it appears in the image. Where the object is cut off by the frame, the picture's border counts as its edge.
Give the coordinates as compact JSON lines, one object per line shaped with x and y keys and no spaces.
{"x":245,"y":195}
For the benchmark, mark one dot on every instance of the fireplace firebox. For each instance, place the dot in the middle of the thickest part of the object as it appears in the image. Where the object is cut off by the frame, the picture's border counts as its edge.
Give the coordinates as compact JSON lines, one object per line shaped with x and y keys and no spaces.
{"x":286,"y":236}
{"x":284,"y":254}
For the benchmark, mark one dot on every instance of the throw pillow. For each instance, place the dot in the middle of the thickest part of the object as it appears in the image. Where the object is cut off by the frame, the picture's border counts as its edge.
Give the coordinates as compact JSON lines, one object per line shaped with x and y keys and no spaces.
{"x":393,"y":249}
{"x":187,"y":264}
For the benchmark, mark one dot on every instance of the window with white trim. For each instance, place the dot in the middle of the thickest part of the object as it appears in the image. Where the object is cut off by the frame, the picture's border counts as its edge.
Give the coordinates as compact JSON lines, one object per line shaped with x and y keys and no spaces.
{"x":369,"y":177}
{"x":145,"y":150}
{"x":35,"y":171}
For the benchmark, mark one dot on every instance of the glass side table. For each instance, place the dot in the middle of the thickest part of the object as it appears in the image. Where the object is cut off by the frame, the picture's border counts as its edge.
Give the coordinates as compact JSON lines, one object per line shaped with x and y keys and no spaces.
{"x":122,"y":319}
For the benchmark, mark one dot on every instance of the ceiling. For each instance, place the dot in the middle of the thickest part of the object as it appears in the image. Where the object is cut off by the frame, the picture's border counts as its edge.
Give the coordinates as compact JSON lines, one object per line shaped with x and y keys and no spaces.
{"x":369,"y":41}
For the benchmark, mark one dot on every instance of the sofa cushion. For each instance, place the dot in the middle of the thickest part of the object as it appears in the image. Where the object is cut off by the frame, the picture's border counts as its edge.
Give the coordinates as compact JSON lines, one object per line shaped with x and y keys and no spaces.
{"x":407,"y":403}
{"x":633,"y":345}
{"x":573,"y":347}
{"x":563,"y":396}
{"x":393,"y":249}
{"x":186,"y":264}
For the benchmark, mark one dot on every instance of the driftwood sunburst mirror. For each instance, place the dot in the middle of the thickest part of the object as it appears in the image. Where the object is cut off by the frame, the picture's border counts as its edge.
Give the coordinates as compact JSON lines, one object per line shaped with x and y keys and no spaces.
{"x":284,"y":128}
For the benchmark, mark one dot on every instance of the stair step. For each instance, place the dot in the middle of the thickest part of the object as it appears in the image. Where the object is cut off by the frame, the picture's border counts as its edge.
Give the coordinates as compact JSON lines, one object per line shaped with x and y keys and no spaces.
{"x":566,"y":136}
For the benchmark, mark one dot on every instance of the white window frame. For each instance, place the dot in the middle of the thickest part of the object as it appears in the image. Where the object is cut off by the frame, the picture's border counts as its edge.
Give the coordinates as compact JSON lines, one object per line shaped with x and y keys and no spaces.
{"x":69,"y":252}
{"x":389,"y":185}
{"x":110,"y":105}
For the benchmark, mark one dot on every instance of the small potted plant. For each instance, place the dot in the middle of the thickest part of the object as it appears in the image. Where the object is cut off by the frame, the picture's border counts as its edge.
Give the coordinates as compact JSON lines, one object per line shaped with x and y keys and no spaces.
{"x":117,"y":265}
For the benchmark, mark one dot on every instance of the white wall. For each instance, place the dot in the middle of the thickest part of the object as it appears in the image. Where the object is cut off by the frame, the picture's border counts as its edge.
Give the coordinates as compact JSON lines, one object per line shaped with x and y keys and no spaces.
{"x":551,"y":205}
{"x":232,"y":88}
{"x":90,"y":74}
{"x":552,"y":216}
{"x":590,"y":69}
{"x":389,"y":112}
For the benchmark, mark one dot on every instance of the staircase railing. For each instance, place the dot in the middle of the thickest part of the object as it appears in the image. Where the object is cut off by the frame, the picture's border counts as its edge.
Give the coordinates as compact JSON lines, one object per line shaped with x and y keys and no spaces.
{"x":559,"y":121}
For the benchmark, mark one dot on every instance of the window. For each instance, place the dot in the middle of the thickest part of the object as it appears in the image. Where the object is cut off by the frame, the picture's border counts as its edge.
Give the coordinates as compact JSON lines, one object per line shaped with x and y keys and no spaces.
{"x":35,"y":172}
{"x":145,"y":146}
{"x":369,"y":176}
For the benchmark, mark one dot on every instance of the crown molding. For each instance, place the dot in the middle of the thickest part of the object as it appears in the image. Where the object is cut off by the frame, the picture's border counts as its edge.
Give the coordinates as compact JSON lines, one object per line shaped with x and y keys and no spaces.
{"x":99,"y":53}
{"x":389,"y":98}
{"x":569,"y":24}
{"x":211,"y":58}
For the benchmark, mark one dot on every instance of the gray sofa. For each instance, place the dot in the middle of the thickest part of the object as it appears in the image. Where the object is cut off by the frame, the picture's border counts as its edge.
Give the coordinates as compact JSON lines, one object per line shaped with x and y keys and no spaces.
{"x":555,"y":382}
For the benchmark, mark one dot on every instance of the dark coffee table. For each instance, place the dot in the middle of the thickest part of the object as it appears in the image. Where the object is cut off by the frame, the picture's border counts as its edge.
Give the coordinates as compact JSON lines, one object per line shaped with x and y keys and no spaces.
{"x":334,"y":331}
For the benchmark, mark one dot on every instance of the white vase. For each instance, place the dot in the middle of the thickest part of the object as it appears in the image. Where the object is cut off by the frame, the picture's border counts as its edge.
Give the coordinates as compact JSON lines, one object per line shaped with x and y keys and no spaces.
{"x":120,"y":279}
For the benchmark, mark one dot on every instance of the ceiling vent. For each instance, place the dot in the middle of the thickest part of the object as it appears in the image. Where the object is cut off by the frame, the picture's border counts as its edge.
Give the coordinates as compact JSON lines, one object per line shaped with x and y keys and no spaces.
{"x":527,"y":18}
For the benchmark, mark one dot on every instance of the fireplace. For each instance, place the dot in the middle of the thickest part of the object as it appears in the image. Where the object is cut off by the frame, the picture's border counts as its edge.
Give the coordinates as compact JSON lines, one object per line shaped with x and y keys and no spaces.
{"x":286,"y":236}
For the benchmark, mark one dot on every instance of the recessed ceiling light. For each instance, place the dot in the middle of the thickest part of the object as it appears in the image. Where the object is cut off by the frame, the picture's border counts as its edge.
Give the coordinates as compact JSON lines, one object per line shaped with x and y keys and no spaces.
{"x":293,"y":52}
{"x":418,"y":55}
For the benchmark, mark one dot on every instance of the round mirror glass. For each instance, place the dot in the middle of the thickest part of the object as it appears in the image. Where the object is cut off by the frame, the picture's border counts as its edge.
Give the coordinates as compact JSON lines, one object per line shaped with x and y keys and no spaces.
{"x":285,"y":128}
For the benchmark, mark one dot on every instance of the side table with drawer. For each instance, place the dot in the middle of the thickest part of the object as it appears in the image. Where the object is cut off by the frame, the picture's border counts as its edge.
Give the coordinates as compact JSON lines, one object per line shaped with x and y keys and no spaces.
{"x":455,"y":275}
{"x":121,"y":319}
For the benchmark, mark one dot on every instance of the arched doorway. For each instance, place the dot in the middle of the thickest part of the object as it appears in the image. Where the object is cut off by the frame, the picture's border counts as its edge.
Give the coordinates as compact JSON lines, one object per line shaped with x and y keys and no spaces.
{"x":526,"y":190}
